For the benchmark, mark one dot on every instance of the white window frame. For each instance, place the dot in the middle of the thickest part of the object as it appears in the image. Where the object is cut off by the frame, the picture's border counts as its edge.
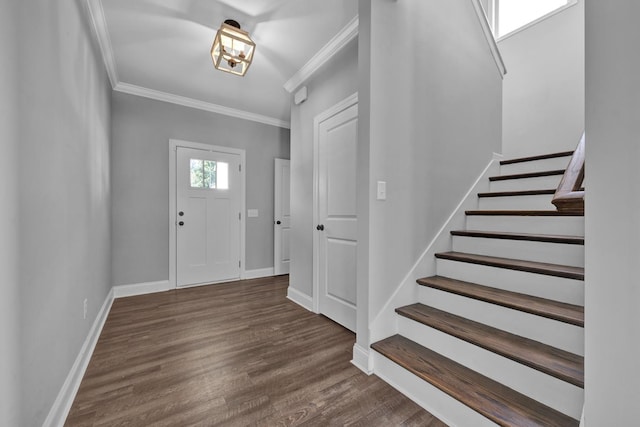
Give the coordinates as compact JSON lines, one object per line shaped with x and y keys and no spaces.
{"x":494,"y":20}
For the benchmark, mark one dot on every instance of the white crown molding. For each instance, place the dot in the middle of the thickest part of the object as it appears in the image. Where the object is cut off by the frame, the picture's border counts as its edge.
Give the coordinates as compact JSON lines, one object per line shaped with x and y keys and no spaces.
{"x":200,"y":105}
{"x":491,"y":40}
{"x":99,"y":23}
{"x":335,"y":45}
{"x":96,"y":13}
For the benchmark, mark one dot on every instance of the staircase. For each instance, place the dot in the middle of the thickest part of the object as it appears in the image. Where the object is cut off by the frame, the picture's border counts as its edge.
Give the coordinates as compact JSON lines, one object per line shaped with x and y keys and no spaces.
{"x":496,"y":337}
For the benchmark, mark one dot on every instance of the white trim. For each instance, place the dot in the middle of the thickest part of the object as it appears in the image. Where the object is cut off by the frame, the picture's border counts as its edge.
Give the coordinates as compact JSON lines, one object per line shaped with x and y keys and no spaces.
{"x":197,"y":104}
{"x":569,"y":4}
{"x":173,"y":145}
{"x":362,"y":359}
{"x":121,"y":291}
{"x":385,"y":323}
{"x":96,"y":14}
{"x":491,"y":40}
{"x":328,"y":51}
{"x":99,"y":23}
{"x":332,"y":111}
{"x":258,"y":273}
{"x":303,"y":300}
{"x":60,"y":409}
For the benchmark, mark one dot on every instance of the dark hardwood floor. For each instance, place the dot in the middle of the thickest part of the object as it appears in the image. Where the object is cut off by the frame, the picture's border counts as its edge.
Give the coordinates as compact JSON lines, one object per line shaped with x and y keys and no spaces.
{"x":234,"y":354}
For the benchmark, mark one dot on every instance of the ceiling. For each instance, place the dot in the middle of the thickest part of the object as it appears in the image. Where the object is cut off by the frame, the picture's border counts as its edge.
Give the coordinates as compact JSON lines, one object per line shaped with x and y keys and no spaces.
{"x":162,"y":47}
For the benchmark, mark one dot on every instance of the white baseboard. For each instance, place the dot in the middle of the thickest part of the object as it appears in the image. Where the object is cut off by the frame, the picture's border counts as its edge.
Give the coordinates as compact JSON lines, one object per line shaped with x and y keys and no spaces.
{"x":258,"y":273}
{"x":362,"y":359}
{"x":385,"y":322}
{"x":299,"y":298}
{"x":60,"y":409}
{"x":122,"y":291}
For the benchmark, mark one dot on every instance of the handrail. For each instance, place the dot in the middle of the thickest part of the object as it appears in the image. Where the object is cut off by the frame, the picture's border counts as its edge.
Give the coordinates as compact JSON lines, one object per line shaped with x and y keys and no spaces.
{"x":569,"y":197}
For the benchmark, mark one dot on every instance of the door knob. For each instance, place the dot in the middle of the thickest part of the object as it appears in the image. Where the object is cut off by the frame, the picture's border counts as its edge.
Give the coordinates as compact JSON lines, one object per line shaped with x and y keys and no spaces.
{"x":181,"y":223}
{"x":320,"y":227}
{"x":278,"y":222}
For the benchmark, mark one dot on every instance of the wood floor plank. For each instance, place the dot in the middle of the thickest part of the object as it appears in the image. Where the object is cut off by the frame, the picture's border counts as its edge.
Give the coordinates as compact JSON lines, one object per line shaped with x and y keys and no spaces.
{"x":558,"y":270}
{"x":232,"y":354}
{"x":502,"y":405}
{"x":555,"y":310}
{"x":547,"y":238}
{"x":553,"y":361}
{"x":538,"y":157}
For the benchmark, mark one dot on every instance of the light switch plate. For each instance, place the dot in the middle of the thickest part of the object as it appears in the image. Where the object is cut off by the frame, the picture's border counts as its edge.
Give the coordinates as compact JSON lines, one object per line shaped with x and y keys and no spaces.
{"x":252,"y":213}
{"x":382,"y":190}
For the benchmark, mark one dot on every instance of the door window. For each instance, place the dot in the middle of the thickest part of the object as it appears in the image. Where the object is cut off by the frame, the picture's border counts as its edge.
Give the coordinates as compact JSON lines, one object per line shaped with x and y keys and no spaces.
{"x":209,"y":174}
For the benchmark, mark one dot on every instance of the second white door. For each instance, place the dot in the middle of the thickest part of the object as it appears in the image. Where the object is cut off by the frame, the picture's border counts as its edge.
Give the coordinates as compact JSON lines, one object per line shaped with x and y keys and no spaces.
{"x":337,"y":136}
{"x":207,"y":216}
{"x":281,"y":218}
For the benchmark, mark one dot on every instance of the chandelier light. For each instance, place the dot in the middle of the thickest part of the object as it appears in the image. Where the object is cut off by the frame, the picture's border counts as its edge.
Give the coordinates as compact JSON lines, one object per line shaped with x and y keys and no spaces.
{"x":232,"y":49}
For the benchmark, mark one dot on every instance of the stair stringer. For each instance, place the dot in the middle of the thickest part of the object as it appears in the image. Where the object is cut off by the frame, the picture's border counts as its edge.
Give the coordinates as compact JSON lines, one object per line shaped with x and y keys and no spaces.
{"x":385,"y":323}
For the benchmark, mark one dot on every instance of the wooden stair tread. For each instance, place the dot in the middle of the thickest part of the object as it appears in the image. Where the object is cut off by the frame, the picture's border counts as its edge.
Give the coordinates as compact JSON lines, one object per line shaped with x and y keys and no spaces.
{"x":567,"y":313}
{"x":516,"y":264}
{"x":517,"y":193}
{"x":500,"y":404}
{"x":518,"y":212}
{"x":527,"y":175}
{"x":538,"y":157}
{"x":553,"y":361}
{"x":549,"y":238}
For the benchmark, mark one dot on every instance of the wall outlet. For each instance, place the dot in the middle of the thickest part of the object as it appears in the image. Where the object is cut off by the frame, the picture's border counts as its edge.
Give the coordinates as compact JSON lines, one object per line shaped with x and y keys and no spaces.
{"x":84,"y":309}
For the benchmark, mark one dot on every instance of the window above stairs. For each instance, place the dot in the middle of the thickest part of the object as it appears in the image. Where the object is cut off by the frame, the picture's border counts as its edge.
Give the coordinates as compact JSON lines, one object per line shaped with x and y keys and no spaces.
{"x":506,"y":17}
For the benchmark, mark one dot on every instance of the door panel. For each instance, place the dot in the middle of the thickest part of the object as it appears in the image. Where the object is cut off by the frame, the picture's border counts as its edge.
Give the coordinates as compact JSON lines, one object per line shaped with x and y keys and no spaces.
{"x":282,"y":217}
{"x":208,"y":231}
{"x":336,"y":204}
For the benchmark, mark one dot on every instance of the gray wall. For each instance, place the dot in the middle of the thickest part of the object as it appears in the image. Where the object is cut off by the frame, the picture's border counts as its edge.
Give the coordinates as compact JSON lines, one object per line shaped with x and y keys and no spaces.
{"x":612,"y":204}
{"x":543,"y":93}
{"x":331,"y":85}
{"x":9,"y":243}
{"x":64,"y":194}
{"x":435,"y":120}
{"x":141,"y":131}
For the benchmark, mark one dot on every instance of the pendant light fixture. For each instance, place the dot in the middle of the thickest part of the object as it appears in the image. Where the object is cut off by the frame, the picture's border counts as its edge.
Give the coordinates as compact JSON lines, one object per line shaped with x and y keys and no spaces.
{"x":232,"y":49}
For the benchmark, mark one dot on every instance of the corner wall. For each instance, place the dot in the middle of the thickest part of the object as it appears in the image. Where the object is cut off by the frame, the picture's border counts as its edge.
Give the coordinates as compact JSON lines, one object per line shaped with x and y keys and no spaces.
{"x":435,"y":120}
{"x":543,"y":94}
{"x":9,"y":242}
{"x":141,"y":131}
{"x":612,"y":203}
{"x":64,"y":191}
{"x":335,"y":82}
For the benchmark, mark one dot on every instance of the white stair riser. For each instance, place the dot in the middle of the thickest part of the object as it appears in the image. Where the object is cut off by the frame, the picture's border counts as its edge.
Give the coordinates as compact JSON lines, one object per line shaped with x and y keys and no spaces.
{"x":535,"y":202}
{"x":551,"y":391}
{"x":562,"y":225}
{"x":538,"y":183}
{"x":551,"y":332}
{"x":446,"y":408}
{"x":536,"y":166}
{"x":551,"y":287}
{"x":554,"y":253}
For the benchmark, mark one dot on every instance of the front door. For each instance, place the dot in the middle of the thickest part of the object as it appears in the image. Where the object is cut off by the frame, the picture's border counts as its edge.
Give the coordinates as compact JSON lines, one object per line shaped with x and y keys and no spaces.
{"x":207,"y":216}
{"x":281,"y":218}
{"x":337,"y":220}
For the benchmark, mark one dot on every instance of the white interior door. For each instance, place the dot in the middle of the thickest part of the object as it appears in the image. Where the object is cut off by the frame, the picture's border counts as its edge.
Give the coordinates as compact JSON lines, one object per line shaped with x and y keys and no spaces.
{"x":208,"y":210}
{"x":337,"y":221}
{"x":281,"y":217}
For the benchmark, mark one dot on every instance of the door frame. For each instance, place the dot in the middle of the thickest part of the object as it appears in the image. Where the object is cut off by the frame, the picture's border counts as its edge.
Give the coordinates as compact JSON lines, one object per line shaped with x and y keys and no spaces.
{"x":277,"y":242}
{"x":346,"y":103}
{"x":173,"y":252}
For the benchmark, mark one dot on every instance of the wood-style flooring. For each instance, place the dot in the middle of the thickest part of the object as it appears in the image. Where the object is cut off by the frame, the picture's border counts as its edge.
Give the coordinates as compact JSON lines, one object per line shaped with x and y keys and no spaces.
{"x":233,"y":354}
